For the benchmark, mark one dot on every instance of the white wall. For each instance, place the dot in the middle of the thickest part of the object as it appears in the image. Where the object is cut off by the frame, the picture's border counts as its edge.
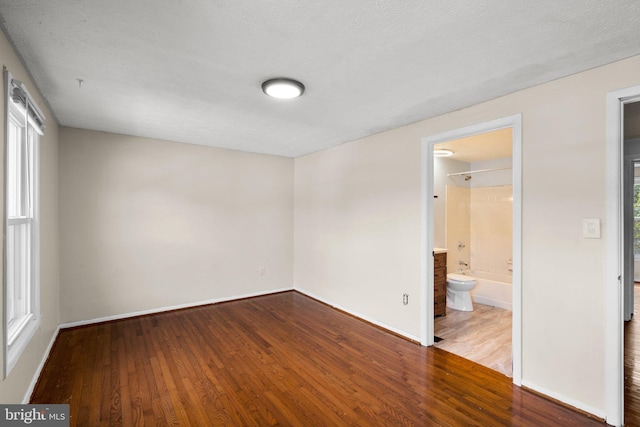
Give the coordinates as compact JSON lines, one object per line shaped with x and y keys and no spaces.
{"x":442,"y":167}
{"x":147,"y":224}
{"x":493,"y":178}
{"x":357,"y":228}
{"x":491,"y":225}
{"x":14,"y":387}
{"x":458,"y":227}
{"x":357,"y":225}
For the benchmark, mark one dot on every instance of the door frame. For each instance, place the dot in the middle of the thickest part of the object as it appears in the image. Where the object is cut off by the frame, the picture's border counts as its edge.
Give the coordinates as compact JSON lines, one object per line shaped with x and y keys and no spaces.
{"x":427,"y":326}
{"x":614,"y":269}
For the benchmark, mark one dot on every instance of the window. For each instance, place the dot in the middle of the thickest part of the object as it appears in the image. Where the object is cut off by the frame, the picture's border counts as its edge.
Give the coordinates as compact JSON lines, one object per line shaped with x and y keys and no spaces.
{"x":24,"y":124}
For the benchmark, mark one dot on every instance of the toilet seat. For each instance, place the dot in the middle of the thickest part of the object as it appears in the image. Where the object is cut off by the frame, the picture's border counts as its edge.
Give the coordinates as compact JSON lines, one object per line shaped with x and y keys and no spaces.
{"x":461,"y":278}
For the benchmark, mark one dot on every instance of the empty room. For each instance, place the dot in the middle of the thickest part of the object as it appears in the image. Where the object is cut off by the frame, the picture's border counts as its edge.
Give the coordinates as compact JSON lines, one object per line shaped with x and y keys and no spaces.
{"x":320,"y":213}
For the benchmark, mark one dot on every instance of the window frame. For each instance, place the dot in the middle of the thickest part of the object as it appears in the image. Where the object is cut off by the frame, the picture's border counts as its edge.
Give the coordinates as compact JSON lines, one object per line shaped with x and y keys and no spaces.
{"x":26,"y":326}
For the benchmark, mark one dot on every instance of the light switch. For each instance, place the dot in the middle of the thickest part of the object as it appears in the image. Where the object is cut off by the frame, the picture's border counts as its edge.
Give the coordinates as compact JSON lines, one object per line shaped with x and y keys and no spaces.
{"x":591,"y":228}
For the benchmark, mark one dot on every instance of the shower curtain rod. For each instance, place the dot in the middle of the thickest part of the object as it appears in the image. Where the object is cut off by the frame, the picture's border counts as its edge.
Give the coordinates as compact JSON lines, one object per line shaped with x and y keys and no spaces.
{"x":477,"y":171}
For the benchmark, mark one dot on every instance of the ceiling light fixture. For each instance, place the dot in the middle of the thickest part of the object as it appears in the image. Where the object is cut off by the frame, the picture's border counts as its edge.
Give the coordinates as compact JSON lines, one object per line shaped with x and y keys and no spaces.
{"x":283,"y":88}
{"x":442,"y":153}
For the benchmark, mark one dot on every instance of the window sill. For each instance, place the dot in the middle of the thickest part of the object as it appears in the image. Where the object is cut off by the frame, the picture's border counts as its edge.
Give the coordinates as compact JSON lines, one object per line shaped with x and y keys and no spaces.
{"x":20,"y":342}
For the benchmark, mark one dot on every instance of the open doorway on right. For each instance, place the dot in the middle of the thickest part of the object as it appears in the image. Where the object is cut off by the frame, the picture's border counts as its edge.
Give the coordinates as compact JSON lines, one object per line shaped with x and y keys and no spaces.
{"x":631,"y":171}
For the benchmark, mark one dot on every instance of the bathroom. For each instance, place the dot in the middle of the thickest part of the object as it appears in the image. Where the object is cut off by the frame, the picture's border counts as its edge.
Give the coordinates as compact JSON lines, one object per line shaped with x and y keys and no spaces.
{"x":473,"y":222}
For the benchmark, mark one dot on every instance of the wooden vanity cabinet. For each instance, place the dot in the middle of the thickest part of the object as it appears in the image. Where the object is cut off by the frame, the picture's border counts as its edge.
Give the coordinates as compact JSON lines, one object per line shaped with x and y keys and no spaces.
{"x":440,"y":284}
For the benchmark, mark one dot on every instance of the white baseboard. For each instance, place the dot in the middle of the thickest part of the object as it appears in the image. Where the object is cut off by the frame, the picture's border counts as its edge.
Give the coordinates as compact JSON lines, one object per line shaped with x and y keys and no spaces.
{"x":492,"y":302}
{"x":564,"y":399}
{"x":38,"y":371}
{"x":359,"y":315}
{"x":169,"y":308}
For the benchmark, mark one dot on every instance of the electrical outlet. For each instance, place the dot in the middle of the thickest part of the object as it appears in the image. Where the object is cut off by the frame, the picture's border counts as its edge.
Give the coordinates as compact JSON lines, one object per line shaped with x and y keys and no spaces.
{"x":262,"y":271}
{"x":405,"y":299}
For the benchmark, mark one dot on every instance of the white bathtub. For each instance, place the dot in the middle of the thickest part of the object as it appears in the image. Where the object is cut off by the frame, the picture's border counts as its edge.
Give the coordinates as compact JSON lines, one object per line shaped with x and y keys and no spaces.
{"x":492,"y":288}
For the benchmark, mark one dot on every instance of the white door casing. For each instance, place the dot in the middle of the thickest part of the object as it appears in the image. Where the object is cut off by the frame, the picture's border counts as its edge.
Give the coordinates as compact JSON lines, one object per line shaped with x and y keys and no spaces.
{"x":427,"y":327}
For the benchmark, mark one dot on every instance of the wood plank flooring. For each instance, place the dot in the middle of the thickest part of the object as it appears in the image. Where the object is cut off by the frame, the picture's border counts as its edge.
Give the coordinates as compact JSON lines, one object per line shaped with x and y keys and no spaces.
{"x":482,"y":335}
{"x":281,"y":359}
{"x":632,"y":365}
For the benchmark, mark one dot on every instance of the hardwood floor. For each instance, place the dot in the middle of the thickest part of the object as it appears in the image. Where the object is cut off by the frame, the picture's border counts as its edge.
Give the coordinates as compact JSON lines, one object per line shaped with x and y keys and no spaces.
{"x":632,"y":365}
{"x":281,"y":359}
{"x":482,"y":335}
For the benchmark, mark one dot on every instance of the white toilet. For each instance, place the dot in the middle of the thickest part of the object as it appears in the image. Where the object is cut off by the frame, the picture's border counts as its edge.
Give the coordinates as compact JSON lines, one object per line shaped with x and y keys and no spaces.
{"x":459,"y":291}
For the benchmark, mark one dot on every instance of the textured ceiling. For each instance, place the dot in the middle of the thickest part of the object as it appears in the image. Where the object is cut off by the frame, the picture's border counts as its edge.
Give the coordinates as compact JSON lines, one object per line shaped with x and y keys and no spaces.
{"x":190,"y":71}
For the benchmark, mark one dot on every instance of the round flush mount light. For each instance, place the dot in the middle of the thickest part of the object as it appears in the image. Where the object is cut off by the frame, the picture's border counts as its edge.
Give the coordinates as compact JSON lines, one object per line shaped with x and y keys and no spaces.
{"x":283,"y":88}
{"x":442,"y":153}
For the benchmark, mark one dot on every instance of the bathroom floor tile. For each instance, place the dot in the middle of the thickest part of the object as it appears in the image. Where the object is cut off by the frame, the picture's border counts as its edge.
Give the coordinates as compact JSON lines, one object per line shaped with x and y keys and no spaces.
{"x":482,"y":335}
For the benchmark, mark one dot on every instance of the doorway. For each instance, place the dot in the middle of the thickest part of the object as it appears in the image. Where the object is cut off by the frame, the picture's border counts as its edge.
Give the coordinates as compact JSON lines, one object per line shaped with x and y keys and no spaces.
{"x":428,"y":236}
{"x":617,"y":274}
{"x":473,"y":213}
{"x":631,"y":275}
{"x":631,"y":204}
{"x":631,"y":208}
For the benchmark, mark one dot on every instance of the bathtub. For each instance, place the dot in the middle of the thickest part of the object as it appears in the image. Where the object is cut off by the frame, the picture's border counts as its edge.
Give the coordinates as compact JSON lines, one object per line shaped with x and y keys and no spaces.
{"x":492,"y":288}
